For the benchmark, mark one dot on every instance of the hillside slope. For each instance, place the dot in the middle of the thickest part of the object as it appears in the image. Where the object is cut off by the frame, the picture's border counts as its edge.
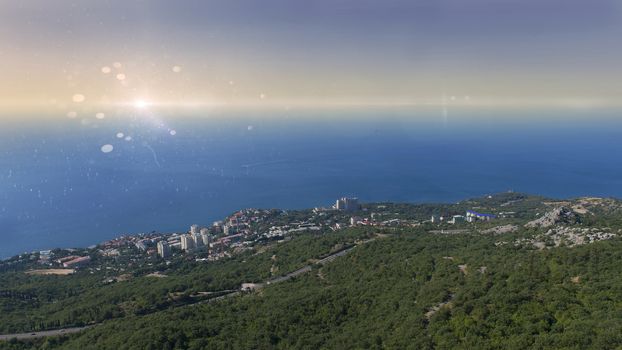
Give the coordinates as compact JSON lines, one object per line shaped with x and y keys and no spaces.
{"x":418,"y":291}
{"x":542,"y":274}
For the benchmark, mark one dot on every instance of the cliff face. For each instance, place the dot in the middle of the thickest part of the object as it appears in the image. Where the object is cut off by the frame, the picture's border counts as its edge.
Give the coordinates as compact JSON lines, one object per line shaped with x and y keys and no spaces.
{"x":560,"y":215}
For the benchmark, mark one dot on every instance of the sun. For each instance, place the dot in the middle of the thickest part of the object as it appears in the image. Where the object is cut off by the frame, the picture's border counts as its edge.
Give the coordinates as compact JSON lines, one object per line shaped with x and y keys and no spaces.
{"x":141,"y":104}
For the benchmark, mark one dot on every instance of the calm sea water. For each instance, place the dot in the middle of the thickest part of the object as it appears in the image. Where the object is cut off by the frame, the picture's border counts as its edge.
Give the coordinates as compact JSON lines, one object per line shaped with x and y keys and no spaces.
{"x":58,"y":189}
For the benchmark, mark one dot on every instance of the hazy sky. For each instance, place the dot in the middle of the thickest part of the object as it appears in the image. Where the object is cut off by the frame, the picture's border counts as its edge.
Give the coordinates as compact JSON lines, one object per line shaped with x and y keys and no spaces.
{"x":312,"y":52}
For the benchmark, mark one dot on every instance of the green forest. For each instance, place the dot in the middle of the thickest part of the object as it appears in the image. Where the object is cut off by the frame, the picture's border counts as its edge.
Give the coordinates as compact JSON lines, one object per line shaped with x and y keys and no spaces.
{"x":405,"y":289}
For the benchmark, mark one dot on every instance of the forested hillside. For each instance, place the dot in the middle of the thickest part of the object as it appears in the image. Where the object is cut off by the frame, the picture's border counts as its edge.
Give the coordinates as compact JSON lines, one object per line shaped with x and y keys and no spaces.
{"x":404,"y":290}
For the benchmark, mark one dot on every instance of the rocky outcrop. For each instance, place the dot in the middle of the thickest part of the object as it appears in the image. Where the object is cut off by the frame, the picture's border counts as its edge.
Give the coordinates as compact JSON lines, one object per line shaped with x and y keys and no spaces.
{"x":560,"y":215}
{"x":568,"y":236}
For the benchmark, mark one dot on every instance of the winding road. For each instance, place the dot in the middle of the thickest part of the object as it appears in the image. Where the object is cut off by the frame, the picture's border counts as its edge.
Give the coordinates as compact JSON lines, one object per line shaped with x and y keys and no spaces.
{"x":41,"y":334}
{"x":305,"y":269}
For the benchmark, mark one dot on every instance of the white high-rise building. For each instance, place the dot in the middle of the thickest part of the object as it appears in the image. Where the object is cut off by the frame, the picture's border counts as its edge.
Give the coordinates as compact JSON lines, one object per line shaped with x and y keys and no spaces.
{"x":229,"y":229}
{"x":187,"y":243}
{"x":347,"y":204}
{"x":164,"y":250}
{"x":194,"y":229}
{"x":205,"y":236}
{"x":198,"y":240}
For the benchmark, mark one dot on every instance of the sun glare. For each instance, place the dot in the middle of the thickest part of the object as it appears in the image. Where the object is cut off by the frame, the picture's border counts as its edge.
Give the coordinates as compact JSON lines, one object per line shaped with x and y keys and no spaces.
{"x":141,"y":104}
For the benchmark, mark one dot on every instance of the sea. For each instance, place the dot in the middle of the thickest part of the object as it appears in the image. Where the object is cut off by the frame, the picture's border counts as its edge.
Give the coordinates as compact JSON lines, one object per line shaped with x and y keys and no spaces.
{"x":75,"y":182}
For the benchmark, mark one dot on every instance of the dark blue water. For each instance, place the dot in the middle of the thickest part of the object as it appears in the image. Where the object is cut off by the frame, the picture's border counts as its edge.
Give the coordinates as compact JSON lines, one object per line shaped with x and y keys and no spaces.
{"x":57,"y":189}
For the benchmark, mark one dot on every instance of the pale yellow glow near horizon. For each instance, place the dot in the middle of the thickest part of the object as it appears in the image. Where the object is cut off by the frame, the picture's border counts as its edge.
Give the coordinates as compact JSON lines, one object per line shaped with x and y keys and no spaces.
{"x":97,"y":110}
{"x":105,"y":84}
{"x":141,"y":104}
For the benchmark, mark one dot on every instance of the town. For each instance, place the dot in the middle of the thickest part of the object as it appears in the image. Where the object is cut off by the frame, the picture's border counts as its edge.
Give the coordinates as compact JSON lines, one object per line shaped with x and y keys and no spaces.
{"x":247,"y":228}
{"x":256,"y":252}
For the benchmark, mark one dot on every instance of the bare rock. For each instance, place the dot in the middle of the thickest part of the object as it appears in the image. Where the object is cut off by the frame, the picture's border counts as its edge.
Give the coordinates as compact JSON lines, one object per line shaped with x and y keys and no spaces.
{"x":560,"y":215}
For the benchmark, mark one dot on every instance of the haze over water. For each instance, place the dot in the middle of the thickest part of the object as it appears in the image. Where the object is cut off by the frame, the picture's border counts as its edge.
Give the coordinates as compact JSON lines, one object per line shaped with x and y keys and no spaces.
{"x":58,"y":189}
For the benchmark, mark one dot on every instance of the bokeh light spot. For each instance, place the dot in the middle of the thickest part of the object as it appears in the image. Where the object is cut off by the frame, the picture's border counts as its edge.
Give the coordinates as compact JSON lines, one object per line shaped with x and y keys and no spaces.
{"x":78,"y":98}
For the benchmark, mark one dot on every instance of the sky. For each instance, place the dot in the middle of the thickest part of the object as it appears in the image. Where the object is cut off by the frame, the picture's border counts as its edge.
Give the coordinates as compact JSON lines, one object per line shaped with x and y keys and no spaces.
{"x":62,"y":56}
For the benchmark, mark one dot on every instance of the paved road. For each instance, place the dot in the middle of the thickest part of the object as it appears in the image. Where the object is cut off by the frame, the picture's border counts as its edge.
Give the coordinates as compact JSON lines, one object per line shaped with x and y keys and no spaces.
{"x":450,"y":232}
{"x":284,"y":278}
{"x":33,"y":335}
{"x":290,"y":275}
{"x":330,"y":258}
{"x":229,"y":294}
{"x":224,"y":296}
{"x":308,"y":268}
